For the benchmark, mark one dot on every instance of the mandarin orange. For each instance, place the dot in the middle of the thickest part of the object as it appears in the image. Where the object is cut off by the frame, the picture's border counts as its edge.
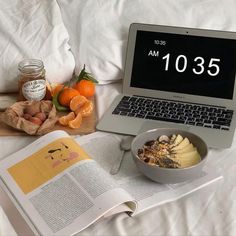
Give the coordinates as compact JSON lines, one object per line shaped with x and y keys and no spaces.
{"x":66,"y":95}
{"x":77,"y":101}
{"x":76,"y":123}
{"x":86,"y":109}
{"x":85,"y":88}
{"x":64,"y":120}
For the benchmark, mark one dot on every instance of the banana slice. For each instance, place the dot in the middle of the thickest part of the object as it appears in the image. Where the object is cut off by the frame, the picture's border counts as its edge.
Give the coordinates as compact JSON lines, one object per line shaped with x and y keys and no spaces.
{"x":182,"y":144}
{"x":188,"y":148}
{"x":187,"y":159}
{"x":177,"y":140}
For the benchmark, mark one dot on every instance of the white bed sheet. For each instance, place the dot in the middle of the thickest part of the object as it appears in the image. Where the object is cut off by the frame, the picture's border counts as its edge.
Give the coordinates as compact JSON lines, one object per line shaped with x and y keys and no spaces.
{"x":208,"y":212}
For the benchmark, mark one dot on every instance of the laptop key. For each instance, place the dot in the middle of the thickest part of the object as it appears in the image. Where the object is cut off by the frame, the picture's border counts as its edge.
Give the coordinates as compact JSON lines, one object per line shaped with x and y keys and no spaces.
{"x":212,"y":118}
{"x":208,"y":126}
{"x":150,"y":113}
{"x":175,"y":117}
{"x":196,"y":116}
{"x":228,"y":115}
{"x":191,"y":119}
{"x":220,"y":115}
{"x":207,"y":121}
{"x":116,"y":112}
{"x":199,"y":124}
{"x":134,"y":111}
{"x":131,"y":114}
{"x":122,"y":113}
{"x":190,"y":122}
{"x":216,"y":126}
{"x":135,"y":107}
{"x":225,"y":128}
{"x":133,"y":99}
{"x":149,"y":109}
{"x":215,"y":122}
{"x":125,"y":98}
{"x":203,"y":113}
{"x":164,"y":119}
{"x":124,"y":102}
{"x":166,"y":116}
{"x":140,"y":115}
{"x":204,"y":117}
{"x":142,"y":112}
{"x":123,"y":109}
{"x":223,"y":120}
{"x":219,"y":110}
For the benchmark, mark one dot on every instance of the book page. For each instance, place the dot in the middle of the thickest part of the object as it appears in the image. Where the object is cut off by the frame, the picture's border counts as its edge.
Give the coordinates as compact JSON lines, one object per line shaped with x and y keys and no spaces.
{"x":104,"y":148}
{"x":59,"y":187}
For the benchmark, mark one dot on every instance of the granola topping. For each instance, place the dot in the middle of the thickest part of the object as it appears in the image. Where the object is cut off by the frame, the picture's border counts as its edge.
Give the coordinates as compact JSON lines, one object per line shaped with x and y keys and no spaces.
{"x":169,"y":152}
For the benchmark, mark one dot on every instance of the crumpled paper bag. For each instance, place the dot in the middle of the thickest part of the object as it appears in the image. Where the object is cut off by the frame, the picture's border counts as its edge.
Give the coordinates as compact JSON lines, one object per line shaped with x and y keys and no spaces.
{"x":13,"y":116}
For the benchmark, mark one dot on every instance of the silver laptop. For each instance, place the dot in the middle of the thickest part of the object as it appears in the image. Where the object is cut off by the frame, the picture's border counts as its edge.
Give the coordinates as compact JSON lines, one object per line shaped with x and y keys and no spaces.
{"x":177,"y":77}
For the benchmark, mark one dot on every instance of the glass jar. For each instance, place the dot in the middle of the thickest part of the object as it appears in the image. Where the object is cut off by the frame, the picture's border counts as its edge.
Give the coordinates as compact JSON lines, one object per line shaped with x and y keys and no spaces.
{"x":32,"y":82}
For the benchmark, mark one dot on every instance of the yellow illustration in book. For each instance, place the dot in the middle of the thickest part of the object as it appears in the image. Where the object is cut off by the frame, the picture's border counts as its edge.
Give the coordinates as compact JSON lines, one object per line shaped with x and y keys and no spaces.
{"x":46,"y":163}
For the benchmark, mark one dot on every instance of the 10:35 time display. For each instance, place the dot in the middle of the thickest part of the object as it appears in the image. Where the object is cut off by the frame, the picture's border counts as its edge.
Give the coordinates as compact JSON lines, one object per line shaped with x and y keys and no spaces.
{"x":199,"y":64}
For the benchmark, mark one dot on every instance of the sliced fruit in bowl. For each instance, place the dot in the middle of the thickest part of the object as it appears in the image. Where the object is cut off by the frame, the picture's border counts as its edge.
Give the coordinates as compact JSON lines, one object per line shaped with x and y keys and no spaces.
{"x":168,"y":155}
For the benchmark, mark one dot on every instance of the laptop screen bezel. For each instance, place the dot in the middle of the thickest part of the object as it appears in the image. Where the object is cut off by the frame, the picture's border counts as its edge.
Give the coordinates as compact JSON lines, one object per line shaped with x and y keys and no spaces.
{"x":127,"y":89}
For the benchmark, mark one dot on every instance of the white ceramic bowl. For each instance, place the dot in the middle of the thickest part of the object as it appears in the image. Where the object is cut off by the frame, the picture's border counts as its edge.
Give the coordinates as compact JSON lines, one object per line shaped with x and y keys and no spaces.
{"x":168,"y":175}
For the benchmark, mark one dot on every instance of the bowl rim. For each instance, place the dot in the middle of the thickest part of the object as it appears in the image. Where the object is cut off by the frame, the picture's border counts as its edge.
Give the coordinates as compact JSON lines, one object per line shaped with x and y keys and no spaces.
{"x":167,"y":168}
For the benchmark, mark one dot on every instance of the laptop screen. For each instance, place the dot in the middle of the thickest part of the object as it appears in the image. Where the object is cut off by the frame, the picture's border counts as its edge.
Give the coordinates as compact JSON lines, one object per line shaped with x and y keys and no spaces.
{"x":187,"y":64}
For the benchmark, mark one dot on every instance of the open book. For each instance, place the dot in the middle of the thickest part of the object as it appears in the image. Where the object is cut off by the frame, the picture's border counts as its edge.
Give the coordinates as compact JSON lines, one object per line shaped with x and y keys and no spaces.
{"x":61,"y":185}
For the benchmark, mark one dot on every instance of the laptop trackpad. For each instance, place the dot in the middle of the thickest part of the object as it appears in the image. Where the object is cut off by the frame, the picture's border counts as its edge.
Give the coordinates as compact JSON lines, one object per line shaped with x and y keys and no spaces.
{"x":147,"y":125}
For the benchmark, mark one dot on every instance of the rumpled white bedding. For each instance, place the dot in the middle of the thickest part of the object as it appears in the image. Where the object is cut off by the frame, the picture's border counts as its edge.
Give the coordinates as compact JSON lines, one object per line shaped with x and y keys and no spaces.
{"x":208,"y":212}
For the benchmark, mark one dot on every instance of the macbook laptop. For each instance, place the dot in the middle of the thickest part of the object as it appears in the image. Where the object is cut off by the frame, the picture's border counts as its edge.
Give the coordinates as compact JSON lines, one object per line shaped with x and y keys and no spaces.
{"x":177,"y":77}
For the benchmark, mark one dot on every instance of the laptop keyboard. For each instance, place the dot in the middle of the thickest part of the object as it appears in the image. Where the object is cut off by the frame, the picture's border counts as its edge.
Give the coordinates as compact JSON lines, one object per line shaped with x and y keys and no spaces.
{"x":172,"y":111}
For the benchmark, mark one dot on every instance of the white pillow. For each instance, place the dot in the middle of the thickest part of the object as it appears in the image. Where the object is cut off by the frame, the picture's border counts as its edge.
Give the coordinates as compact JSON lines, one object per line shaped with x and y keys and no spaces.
{"x":33,"y":29}
{"x":99,"y":29}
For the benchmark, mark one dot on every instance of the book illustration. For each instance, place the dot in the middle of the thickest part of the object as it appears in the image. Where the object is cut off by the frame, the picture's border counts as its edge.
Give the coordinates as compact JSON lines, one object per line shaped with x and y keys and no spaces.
{"x":46,"y":163}
{"x":61,"y":154}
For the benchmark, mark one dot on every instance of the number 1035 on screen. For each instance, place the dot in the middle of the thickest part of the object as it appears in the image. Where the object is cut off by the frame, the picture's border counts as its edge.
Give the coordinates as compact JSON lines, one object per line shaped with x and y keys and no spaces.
{"x":200,"y":65}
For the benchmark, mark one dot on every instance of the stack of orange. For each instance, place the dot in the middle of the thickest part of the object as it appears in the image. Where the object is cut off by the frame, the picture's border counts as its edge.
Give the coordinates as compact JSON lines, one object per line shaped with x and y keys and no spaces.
{"x":75,"y":99}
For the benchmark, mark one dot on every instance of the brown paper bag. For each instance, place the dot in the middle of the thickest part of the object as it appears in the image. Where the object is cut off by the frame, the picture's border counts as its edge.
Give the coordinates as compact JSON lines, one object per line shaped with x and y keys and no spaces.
{"x":13,"y":116}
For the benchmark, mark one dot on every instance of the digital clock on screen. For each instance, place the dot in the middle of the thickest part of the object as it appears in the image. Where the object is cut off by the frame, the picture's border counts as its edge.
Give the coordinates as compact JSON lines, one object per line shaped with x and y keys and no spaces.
{"x":184,"y":63}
